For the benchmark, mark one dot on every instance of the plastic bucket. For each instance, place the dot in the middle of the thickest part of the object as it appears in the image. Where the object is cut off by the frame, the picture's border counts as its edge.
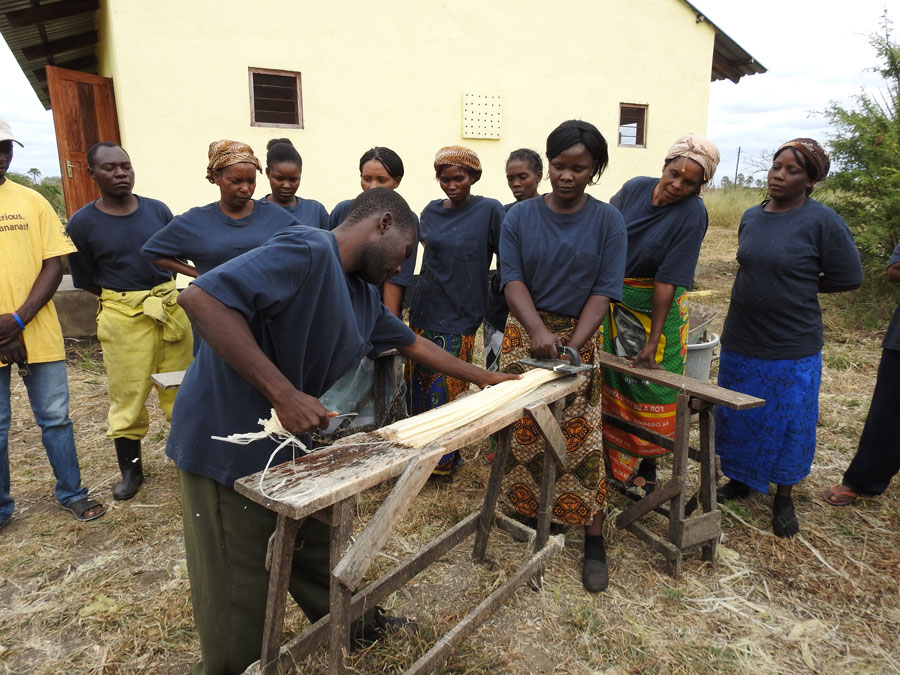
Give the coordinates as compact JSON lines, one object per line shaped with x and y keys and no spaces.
{"x":699,"y":358}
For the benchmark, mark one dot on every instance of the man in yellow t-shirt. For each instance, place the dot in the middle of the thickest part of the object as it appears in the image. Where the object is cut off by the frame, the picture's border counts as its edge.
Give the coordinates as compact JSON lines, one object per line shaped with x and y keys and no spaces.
{"x":32,"y":244}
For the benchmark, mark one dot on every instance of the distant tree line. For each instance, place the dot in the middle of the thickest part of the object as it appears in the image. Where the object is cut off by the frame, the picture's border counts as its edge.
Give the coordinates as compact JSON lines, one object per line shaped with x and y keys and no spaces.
{"x":50,"y":188}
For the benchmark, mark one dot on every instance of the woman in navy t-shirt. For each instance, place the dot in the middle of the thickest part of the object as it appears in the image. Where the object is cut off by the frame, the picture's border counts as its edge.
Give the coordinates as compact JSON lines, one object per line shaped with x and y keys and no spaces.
{"x":524,"y":170}
{"x":460,"y":235}
{"x":790,"y":249}
{"x":283,"y":169}
{"x":562,"y":260}
{"x":213,"y":234}
{"x":666,"y":222}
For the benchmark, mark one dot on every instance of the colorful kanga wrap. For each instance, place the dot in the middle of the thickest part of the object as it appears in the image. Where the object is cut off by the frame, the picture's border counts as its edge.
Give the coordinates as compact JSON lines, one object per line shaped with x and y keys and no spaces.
{"x":458,"y":155}
{"x":427,"y":389}
{"x":638,"y":401}
{"x":774,"y":443}
{"x":580,"y":491}
{"x":225,"y":153}
{"x":141,"y":332}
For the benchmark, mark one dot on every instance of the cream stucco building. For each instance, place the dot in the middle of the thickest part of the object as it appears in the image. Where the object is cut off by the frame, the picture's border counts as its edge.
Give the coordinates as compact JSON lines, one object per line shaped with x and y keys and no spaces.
{"x":413,"y":75}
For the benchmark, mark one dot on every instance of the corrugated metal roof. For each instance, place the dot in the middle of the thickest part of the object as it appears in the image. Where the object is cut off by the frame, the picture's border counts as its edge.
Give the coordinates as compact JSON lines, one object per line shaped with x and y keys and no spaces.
{"x":29,"y":43}
{"x":730,"y":60}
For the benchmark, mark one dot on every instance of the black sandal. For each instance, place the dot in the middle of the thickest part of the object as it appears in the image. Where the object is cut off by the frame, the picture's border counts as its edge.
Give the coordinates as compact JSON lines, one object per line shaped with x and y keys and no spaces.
{"x":81,"y":506}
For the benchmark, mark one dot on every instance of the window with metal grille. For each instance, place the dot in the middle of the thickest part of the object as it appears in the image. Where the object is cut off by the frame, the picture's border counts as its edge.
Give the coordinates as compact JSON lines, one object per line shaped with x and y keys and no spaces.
{"x":632,"y":125}
{"x":276,"y":99}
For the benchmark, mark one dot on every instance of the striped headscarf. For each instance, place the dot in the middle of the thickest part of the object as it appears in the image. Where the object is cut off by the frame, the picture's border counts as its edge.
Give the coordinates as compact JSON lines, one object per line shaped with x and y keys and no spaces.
{"x":701,"y":150}
{"x":458,"y":155}
{"x":814,"y":152}
{"x":225,"y":153}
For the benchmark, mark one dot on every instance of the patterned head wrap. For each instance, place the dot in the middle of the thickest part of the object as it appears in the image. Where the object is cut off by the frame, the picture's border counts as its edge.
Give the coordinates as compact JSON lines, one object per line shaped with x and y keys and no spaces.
{"x":225,"y":153}
{"x":814,"y":152}
{"x":701,"y":150}
{"x":457,"y":155}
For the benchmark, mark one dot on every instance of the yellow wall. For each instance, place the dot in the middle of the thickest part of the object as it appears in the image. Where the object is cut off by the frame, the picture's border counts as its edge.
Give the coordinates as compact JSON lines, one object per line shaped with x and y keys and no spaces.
{"x":396,"y":78}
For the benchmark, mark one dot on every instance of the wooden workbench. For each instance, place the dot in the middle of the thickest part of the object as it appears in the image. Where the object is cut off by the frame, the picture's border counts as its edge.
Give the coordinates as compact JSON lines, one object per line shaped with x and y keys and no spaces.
{"x":324,"y":484}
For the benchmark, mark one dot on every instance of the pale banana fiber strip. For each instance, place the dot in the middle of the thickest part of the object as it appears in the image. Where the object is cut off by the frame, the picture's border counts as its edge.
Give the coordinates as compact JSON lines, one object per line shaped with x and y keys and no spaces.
{"x":419,"y":431}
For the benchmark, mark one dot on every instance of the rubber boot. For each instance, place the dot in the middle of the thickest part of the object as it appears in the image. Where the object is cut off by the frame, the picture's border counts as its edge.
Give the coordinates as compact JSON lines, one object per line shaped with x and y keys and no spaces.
{"x":128,"y":454}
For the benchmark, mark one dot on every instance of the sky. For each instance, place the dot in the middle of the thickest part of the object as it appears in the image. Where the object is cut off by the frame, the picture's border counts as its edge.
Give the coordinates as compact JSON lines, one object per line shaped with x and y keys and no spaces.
{"x":816,"y":52}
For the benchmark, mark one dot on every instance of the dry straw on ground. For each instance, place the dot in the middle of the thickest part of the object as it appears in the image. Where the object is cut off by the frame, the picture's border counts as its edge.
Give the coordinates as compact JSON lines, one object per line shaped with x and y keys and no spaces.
{"x":111,"y":596}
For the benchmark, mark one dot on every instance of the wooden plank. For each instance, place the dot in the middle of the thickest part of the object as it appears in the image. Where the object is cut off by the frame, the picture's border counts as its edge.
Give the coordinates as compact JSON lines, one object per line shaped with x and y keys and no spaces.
{"x":309,"y":640}
{"x":279,"y":578}
{"x":492,"y":493}
{"x":708,"y":477}
{"x":339,"y":600}
{"x":660,"y":545}
{"x":444,"y":647}
{"x":168,"y":380}
{"x":354,"y":565}
{"x":698,"y":530}
{"x":362,"y":461}
{"x":519,"y":531}
{"x":681,"y":383}
{"x":549,"y":426}
{"x":679,"y":461}
{"x":647,"y":504}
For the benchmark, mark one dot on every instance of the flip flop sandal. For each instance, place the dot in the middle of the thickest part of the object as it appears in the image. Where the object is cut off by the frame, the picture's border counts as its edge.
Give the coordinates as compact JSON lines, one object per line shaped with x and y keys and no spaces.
{"x":81,"y":506}
{"x":840,"y":495}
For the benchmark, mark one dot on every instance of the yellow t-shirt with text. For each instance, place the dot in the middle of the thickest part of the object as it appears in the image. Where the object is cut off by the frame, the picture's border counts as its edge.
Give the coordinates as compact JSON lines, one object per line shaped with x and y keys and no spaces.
{"x":30,"y":232}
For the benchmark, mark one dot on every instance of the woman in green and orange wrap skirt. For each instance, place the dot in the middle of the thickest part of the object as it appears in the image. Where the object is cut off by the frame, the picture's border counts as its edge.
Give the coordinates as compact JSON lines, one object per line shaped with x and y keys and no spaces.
{"x":666,"y":222}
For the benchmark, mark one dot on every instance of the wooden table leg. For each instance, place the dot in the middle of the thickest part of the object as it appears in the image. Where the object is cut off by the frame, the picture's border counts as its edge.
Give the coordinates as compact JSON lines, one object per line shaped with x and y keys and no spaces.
{"x":282,"y":555}
{"x":339,"y":608}
{"x":708,"y":474}
{"x":679,"y":471}
{"x":501,"y":452}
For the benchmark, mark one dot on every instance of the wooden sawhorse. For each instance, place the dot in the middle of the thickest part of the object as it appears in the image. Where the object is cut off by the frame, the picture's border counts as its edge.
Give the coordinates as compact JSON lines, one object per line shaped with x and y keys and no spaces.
{"x":685,"y":530}
{"x":324,"y":484}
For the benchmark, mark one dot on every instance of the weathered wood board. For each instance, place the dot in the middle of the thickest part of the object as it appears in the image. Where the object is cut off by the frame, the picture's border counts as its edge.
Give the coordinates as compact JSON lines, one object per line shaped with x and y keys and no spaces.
{"x":362,"y":461}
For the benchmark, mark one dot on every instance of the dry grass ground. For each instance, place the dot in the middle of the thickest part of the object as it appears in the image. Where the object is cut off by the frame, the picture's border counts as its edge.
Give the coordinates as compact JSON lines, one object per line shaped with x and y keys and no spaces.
{"x":111,"y":596}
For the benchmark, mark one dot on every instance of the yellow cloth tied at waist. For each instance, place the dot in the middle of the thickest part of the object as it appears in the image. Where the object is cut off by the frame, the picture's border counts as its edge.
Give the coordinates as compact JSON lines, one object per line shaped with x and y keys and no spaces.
{"x":160,"y":303}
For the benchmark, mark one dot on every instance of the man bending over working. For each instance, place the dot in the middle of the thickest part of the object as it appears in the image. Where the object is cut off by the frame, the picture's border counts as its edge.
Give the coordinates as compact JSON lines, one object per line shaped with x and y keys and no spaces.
{"x":280,"y":324}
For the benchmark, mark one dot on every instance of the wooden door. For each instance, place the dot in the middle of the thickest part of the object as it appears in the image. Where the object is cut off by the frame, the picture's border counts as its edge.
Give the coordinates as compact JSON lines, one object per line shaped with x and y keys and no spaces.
{"x":84,"y":113}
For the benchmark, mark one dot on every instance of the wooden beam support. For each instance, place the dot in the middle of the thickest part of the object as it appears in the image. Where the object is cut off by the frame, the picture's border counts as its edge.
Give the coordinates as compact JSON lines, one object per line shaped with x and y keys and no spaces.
{"x":553,"y":435}
{"x":489,"y":507}
{"x":339,"y":601}
{"x":444,"y":647}
{"x":354,"y":565}
{"x":708,"y":477}
{"x":313,"y":637}
{"x":647,"y":504}
{"x":22,"y":18}
{"x":699,"y":529}
{"x":48,"y":49}
{"x":282,"y":555}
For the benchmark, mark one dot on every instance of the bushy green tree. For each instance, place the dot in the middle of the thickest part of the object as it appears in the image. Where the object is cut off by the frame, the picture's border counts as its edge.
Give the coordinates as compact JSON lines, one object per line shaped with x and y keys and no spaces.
{"x":866,"y":151}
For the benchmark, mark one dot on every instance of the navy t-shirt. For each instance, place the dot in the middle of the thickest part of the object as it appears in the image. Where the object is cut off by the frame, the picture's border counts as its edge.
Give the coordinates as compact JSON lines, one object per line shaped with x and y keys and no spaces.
{"x":407,"y":270}
{"x":663,"y":241}
{"x":207,"y":237}
{"x":459,"y":244}
{"x":564,"y":258}
{"x":774,"y":311}
{"x":892,"y":336}
{"x":109,"y":247}
{"x":308,"y":211}
{"x":311,"y":319}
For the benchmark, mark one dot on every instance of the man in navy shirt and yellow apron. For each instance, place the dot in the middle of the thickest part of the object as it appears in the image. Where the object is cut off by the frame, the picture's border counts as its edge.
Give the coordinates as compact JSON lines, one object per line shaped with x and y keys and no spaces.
{"x":280,"y":324}
{"x":140,"y":326}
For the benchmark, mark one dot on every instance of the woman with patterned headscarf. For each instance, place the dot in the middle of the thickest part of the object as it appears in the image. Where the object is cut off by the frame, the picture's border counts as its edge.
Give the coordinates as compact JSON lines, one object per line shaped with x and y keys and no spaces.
{"x":666,"y":222}
{"x":460,"y":234}
{"x":790,"y":249}
{"x":210,"y":235}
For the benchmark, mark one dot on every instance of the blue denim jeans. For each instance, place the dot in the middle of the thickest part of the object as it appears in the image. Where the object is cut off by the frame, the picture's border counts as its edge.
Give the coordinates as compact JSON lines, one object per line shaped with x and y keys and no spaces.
{"x":48,"y":393}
